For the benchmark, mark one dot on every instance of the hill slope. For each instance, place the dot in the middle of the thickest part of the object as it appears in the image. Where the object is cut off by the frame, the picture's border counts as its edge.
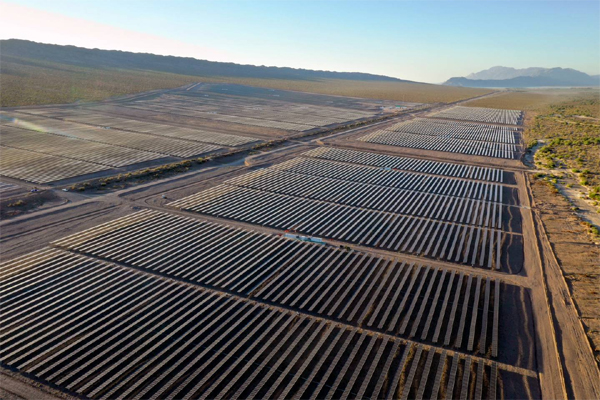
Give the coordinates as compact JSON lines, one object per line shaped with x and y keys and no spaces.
{"x":94,"y":58}
{"x":34,"y":73}
{"x":527,"y":77}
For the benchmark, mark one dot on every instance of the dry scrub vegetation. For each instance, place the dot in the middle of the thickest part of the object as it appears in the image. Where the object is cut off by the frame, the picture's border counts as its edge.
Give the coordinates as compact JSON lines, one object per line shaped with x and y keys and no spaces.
{"x":569,"y":137}
{"x":396,"y":91}
{"x":562,"y":126}
{"x":32,"y":82}
{"x":531,"y":100}
{"x":564,"y":132}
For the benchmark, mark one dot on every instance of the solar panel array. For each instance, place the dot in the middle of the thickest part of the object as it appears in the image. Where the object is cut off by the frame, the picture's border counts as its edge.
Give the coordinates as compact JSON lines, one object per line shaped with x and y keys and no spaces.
{"x":5,"y":187}
{"x":407,"y":164}
{"x":77,"y":149}
{"x":42,"y":168}
{"x":458,"y":130}
{"x":373,"y":197}
{"x":440,"y":217}
{"x":480,"y":114}
{"x":475,"y":136}
{"x":93,"y":118}
{"x":75,"y":319}
{"x":442,"y":143}
{"x":160,"y":304}
{"x":353,"y":286}
{"x":255,"y":112}
{"x":40,"y":149}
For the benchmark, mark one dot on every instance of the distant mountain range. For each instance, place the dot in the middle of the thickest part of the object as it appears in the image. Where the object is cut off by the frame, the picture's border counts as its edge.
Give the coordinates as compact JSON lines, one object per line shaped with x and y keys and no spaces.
{"x":507,"y":77}
{"x":23,"y":51}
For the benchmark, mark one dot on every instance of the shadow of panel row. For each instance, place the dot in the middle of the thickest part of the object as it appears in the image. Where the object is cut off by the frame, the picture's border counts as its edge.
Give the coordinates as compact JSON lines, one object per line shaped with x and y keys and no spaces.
{"x":431,"y":305}
{"x":121,"y":333}
{"x":409,"y":164}
{"x":459,"y":243}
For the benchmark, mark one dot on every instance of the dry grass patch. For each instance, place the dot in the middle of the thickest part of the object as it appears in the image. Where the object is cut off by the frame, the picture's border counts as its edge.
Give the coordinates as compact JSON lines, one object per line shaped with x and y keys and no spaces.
{"x":29,"y":82}
{"x":396,"y":91}
{"x":531,"y":100}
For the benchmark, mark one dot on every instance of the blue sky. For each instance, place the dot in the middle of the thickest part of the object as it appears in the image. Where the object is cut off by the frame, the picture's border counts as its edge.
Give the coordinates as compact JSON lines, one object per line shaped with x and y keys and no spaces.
{"x":427,"y":41}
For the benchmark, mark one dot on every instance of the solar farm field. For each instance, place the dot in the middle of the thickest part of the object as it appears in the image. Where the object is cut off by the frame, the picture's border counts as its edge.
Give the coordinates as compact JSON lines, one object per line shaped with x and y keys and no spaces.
{"x":327,"y":267}
{"x":450,"y":136}
{"x":42,"y":150}
{"x":480,"y":114}
{"x":264,"y":113}
{"x":410,"y":164}
{"x":41,"y":168}
{"x":229,"y":326}
{"x":248,"y":111}
{"x":95,"y":119}
{"x":199,"y":120}
{"x":348,"y":286}
{"x":68,"y":147}
{"x":459,"y":220}
{"x":458,"y":130}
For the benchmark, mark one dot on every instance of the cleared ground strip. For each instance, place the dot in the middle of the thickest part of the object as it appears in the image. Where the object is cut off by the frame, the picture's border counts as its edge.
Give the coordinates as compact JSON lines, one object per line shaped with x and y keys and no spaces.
{"x":480,"y":114}
{"x":104,"y":331}
{"x":415,"y":301}
{"x":407,"y":164}
{"x":453,"y":242}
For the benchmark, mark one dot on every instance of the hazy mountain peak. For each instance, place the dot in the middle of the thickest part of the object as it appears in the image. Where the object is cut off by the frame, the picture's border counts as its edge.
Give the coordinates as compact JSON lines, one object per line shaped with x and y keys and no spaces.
{"x":500,"y":76}
{"x":500,"y":72}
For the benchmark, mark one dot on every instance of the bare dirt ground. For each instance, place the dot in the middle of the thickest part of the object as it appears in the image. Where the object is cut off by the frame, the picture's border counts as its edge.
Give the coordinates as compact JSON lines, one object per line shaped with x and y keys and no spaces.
{"x":578,"y":366}
{"x":569,"y":186}
{"x":577,"y":254}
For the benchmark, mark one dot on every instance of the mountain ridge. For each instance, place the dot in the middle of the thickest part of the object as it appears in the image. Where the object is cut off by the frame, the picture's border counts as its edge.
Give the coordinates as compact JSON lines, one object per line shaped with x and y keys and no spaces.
{"x":84,"y":57}
{"x":500,"y":76}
